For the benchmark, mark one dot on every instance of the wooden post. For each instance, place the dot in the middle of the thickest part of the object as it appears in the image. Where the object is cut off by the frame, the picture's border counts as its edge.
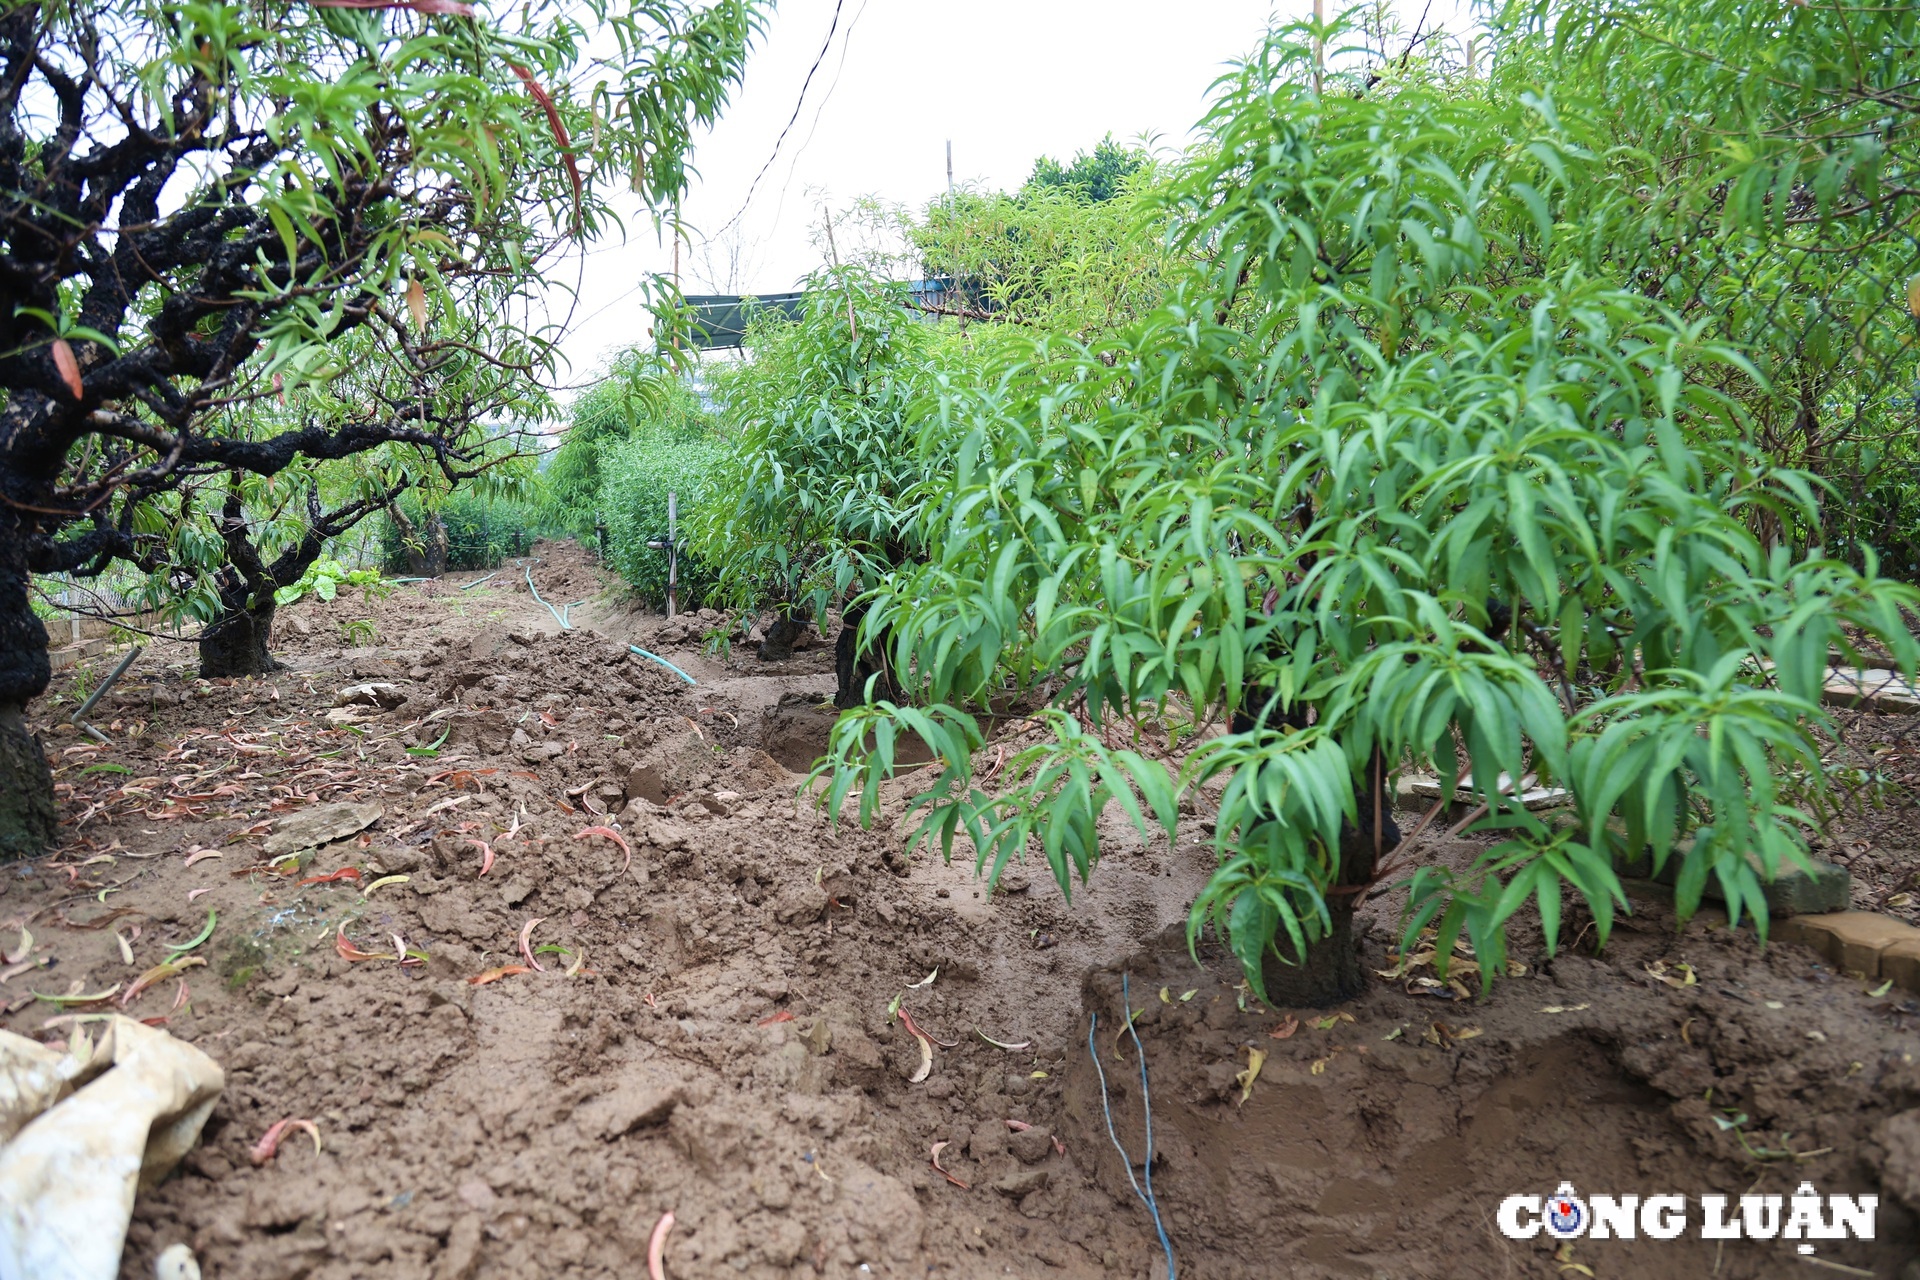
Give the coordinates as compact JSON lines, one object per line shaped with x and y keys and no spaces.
{"x":1319,"y":46}
{"x":1470,"y":52}
{"x":949,"y":173}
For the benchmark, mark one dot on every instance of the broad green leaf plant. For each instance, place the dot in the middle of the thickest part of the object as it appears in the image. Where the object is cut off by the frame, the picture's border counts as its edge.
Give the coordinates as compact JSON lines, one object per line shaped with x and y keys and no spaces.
{"x":1398,"y":478}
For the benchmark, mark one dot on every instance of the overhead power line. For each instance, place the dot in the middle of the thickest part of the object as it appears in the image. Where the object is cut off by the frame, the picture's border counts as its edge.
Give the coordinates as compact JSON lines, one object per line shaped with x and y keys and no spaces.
{"x":777,"y":142}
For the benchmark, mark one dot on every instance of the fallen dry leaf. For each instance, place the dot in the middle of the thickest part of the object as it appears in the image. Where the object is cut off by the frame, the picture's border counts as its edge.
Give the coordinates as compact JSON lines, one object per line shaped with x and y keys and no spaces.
{"x":486,"y":854}
{"x":1285,"y":1029}
{"x":934,"y":1155}
{"x":201,"y":855}
{"x":526,"y":943}
{"x":494,"y":975}
{"x":69,"y":367}
{"x":269,"y":1144}
{"x":785,"y":1015}
{"x":657,"y":1247}
{"x":1256,"y":1058}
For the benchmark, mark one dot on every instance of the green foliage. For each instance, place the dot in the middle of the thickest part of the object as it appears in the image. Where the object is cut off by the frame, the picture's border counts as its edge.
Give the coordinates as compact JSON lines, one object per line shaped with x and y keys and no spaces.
{"x":1051,"y":257}
{"x":637,"y":389}
{"x":659,"y":459}
{"x":1399,"y":394}
{"x":1096,"y":176}
{"x":481,"y":531}
{"x":325,"y":578}
{"x":819,"y":488}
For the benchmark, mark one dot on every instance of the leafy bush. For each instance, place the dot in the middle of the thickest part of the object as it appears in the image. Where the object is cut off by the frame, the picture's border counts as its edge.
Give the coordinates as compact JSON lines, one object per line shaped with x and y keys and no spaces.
{"x":325,"y":578}
{"x":481,"y":530}
{"x":1399,"y":473}
{"x":818,"y":489}
{"x":636,"y":476}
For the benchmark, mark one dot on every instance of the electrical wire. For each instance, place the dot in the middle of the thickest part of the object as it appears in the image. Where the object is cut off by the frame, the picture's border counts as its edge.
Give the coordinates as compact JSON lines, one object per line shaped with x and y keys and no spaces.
{"x":1146,"y":1103}
{"x":798,"y":103}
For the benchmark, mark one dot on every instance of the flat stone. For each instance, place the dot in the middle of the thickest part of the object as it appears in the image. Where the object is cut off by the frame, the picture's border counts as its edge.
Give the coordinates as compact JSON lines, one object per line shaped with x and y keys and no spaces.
{"x":1792,"y":892}
{"x":1532,"y":799}
{"x":1901,"y":962}
{"x":319,"y":824}
{"x":1853,"y":940}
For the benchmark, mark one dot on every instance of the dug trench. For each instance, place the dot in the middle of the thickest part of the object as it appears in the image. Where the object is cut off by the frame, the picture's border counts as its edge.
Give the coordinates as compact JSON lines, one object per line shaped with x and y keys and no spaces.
{"x":705,"y":1028}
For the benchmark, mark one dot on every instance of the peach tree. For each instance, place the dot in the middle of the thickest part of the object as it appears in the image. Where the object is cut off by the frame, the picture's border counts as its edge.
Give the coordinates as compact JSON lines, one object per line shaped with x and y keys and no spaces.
{"x":1402,"y":476}
{"x":200,"y":200}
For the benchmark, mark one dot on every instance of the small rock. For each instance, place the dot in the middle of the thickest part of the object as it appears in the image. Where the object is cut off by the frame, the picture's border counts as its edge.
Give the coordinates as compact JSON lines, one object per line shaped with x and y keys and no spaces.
{"x":516,"y":891}
{"x":372,"y":694}
{"x":543,"y":752}
{"x":1021,"y":1182}
{"x":1015,"y":882}
{"x":989,"y":1139}
{"x":176,"y":1262}
{"x":476,"y":1194}
{"x":1031,"y":1146}
{"x":300,"y":626}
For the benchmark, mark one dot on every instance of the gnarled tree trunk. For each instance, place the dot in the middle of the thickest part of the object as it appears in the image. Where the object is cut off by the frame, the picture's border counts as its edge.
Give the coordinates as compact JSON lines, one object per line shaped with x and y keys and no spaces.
{"x":27,"y":814}
{"x":236,"y":645}
{"x":425,"y":543}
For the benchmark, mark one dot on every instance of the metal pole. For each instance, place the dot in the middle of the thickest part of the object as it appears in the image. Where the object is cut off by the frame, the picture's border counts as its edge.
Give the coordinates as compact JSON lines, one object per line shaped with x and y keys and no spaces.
{"x":79,"y":717}
{"x":673,"y":554}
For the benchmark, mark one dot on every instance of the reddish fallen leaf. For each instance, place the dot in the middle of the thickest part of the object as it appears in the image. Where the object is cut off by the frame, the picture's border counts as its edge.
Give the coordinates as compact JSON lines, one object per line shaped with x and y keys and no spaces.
{"x":1285,"y":1029}
{"x":344,"y":873}
{"x":486,"y":855}
{"x":526,"y":943}
{"x":181,"y":996}
{"x":70,"y":368}
{"x":906,"y":1019}
{"x":545,"y":100}
{"x":785,"y":1015}
{"x":269,"y":1144}
{"x":612,"y":835}
{"x":200,"y":854}
{"x":1018,"y":1126}
{"x":417,"y":304}
{"x":657,"y":1247}
{"x":194,"y":893}
{"x":938,"y":1147}
{"x":154,"y":1022}
{"x":494,"y":975}
{"x":348,"y":951}
{"x":1058,"y":1145}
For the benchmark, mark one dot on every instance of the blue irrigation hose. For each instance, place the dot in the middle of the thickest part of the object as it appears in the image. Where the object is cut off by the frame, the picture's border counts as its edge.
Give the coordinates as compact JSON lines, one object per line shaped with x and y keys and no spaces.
{"x":557,"y":616}
{"x":662,"y":661}
{"x":561,"y":618}
{"x":477,"y":581}
{"x":409,"y":579}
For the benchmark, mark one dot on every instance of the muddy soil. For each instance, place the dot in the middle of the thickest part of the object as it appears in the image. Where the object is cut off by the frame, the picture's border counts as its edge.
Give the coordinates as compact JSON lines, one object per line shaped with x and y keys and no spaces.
{"x":515,"y":1073}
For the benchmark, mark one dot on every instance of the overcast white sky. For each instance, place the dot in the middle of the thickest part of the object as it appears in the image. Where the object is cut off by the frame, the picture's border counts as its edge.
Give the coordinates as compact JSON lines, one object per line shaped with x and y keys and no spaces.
{"x":1005,"y":80}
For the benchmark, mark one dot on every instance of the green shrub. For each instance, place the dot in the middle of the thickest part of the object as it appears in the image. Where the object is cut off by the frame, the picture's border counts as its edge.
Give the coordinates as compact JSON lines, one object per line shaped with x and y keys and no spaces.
{"x":481,"y":531}
{"x":635,"y":477}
